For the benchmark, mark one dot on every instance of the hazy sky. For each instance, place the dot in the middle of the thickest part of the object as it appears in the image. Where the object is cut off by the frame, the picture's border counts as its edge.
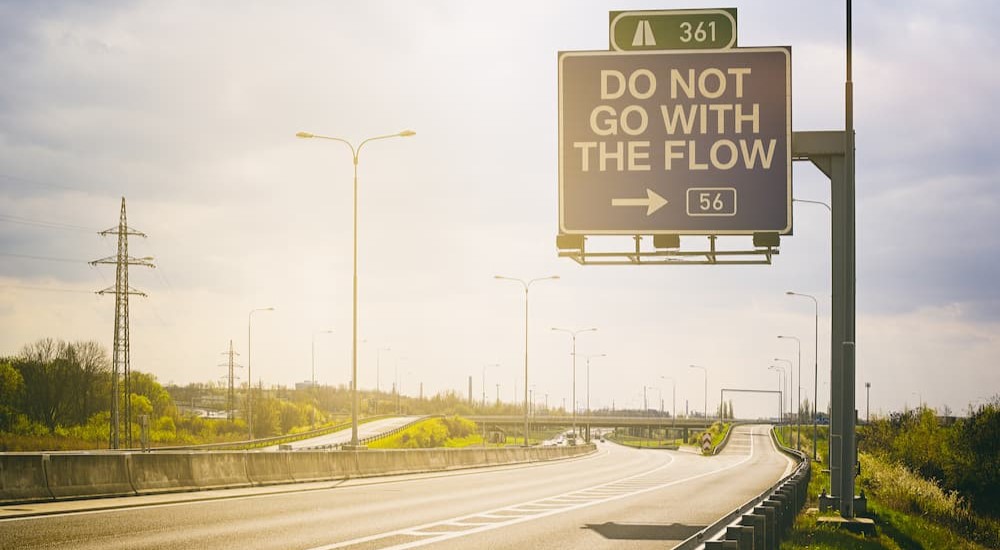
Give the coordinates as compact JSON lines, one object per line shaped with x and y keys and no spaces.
{"x":189,"y":110}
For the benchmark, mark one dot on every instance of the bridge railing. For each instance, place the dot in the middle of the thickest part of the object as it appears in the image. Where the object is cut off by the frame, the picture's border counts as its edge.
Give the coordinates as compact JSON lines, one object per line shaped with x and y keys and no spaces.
{"x":596,"y":420}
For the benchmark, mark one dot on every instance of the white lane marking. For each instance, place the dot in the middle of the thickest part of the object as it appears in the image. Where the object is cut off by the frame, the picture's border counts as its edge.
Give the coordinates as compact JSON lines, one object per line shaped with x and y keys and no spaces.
{"x":790,"y":466}
{"x":629,"y":488}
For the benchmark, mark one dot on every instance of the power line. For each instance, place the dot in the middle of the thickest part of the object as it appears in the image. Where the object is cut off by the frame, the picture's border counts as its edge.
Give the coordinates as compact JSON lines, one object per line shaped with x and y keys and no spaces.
{"x":46,"y":289}
{"x":44,"y":223}
{"x":42,"y":183}
{"x":46,"y":258}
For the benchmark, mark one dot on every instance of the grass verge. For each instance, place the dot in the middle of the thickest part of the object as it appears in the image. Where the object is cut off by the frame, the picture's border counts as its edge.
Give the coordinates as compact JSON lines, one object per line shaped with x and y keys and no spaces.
{"x":911,"y":513}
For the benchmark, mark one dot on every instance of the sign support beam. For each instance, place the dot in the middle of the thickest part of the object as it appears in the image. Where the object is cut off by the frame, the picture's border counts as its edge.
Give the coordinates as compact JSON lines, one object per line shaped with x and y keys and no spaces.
{"x":829,"y":152}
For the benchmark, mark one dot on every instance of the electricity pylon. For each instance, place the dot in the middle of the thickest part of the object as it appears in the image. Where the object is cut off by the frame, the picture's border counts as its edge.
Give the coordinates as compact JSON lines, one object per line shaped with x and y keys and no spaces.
{"x":231,"y":393}
{"x":121,"y":384}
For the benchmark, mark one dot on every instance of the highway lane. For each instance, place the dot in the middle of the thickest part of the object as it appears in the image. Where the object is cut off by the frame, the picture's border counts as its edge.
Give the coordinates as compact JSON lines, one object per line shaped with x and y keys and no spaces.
{"x":616,"y":498}
{"x":366,"y":429}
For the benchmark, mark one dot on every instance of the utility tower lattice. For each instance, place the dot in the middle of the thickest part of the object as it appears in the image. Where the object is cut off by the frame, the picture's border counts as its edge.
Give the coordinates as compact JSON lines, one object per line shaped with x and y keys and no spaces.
{"x":121,"y":383}
{"x":231,"y":390}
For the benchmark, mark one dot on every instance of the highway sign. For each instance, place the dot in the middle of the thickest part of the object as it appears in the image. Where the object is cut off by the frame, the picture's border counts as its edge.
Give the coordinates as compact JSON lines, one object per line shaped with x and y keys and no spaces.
{"x":673,"y":29}
{"x":693,"y":142}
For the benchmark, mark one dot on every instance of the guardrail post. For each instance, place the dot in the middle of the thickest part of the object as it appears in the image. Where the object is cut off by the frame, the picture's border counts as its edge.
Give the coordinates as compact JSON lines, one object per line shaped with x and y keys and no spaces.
{"x":770,"y":525}
{"x":778,"y":503}
{"x":759,"y":524}
{"x":742,"y":535}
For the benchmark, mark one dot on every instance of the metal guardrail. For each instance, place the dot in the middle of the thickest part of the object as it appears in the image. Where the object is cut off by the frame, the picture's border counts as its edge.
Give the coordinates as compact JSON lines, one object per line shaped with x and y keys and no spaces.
{"x":266,"y":441}
{"x":376,"y":437}
{"x":761,"y":521}
{"x":395,"y":431}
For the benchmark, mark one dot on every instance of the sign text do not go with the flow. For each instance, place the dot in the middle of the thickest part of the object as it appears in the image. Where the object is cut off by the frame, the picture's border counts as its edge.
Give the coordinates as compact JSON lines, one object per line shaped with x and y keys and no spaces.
{"x":693,"y":142}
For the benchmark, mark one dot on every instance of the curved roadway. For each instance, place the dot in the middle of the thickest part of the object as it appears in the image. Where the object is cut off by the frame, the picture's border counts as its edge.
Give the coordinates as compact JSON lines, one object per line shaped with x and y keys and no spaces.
{"x":616,"y":498}
{"x":366,"y":429}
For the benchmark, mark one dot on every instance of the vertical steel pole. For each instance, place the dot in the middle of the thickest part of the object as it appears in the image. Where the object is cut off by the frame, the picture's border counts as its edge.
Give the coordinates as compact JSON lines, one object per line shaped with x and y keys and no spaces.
{"x":815,"y":375}
{"x":249,"y":380}
{"x":575,"y":434}
{"x":849,"y":450}
{"x":354,"y":318}
{"x":526,"y":403}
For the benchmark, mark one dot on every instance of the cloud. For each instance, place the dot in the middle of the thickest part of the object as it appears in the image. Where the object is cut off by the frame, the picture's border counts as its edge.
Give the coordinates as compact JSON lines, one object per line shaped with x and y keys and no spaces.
{"x":189,"y":111}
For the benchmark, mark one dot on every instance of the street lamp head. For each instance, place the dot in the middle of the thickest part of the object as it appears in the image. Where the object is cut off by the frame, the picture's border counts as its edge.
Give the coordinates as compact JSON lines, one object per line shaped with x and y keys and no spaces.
{"x":304,"y":135}
{"x":407,"y":133}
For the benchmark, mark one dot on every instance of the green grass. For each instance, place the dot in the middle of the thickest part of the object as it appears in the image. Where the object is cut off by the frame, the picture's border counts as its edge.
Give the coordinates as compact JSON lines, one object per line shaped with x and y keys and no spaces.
{"x":911,"y":513}
{"x":639,"y":442}
{"x":894,"y":531}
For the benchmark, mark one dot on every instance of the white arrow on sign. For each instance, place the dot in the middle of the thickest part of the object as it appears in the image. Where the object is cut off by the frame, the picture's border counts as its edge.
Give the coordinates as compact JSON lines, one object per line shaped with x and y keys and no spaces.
{"x":652,"y":202}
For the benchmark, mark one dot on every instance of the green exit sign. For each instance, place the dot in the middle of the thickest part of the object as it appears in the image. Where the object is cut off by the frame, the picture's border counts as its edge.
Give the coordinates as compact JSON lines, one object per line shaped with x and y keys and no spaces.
{"x":706,"y":29}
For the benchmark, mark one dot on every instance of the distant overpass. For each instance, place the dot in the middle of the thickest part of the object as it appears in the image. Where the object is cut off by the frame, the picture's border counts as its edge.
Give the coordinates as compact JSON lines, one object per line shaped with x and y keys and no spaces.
{"x":594,"y":421}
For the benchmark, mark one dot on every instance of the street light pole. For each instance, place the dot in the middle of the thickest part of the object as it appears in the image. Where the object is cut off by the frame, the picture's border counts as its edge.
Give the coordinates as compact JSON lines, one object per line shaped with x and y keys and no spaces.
{"x":790,"y":382}
{"x":378,"y":368}
{"x":815,"y":359}
{"x":798,"y":404}
{"x":573,"y":334}
{"x":868,"y":402}
{"x":589,"y":357}
{"x":780,"y":371}
{"x":527,"y":286}
{"x":484,"y":381}
{"x":355,"y":152}
{"x":673,"y":400}
{"x":706,"y":388}
{"x":313,"y":377}
{"x":249,"y":375}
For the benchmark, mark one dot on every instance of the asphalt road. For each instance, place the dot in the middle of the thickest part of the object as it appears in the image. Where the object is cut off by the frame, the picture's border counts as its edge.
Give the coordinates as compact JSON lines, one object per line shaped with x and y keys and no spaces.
{"x":616,"y":498}
{"x":366,"y":429}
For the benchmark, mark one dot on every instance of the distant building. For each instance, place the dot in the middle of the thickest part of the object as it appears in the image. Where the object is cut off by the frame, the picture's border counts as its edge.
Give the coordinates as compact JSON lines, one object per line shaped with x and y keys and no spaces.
{"x":306,"y":385}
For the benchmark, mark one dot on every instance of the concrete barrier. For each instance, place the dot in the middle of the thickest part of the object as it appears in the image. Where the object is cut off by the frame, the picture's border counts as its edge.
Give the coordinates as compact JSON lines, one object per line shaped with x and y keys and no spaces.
{"x":219,"y":469}
{"x":88,"y":475}
{"x":344,"y":465}
{"x":39,"y":477}
{"x":375,"y":462}
{"x":310,"y":466}
{"x":267,"y":468}
{"x":22,"y":478}
{"x":161,"y":472}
